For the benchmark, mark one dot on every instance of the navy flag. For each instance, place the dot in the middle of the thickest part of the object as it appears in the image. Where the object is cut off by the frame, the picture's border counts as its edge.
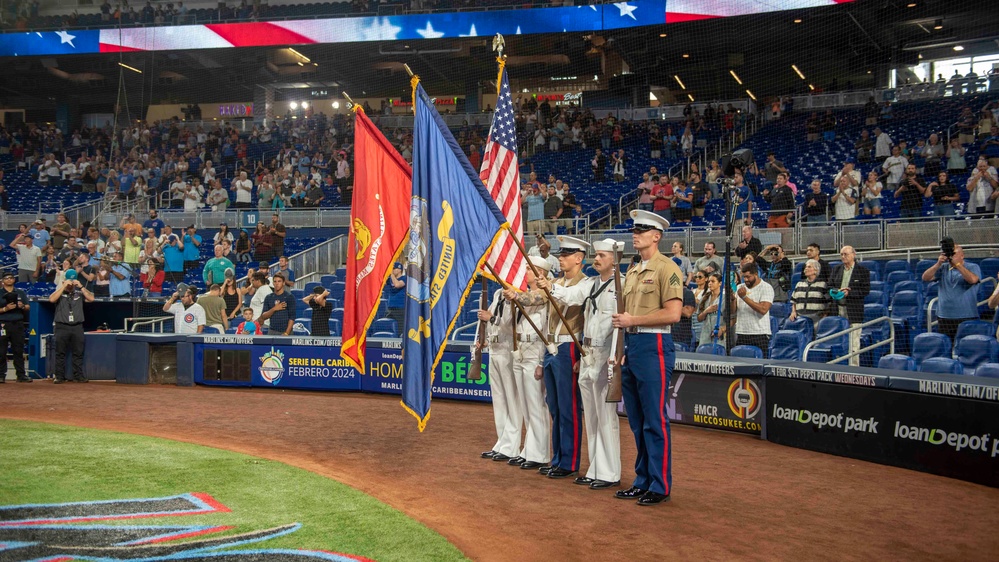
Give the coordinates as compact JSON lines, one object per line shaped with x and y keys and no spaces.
{"x":453,"y":224}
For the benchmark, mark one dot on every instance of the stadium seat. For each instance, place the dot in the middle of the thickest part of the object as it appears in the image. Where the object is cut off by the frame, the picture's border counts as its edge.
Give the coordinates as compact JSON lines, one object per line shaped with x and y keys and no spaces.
{"x":942,"y":365}
{"x":829,"y":350}
{"x":876,"y":297}
{"x":338,"y":289}
{"x":974,"y":327}
{"x":335,"y":329}
{"x":392,"y":335}
{"x":929,"y":345}
{"x":788,"y":344}
{"x":922,"y":266}
{"x":985,"y":290}
{"x":211,"y":330}
{"x":711,"y":349}
{"x":974,"y":350}
{"x":385,"y":325}
{"x":677,"y":346}
{"x":906,"y":306}
{"x":916,"y":286}
{"x":989,"y":267}
{"x":896,"y":265}
{"x":307,"y":313}
{"x":803,"y":325}
{"x":310,"y":286}
{"x":327,"y":280}
{"x":337,"y":314}
{"x":898,"y":277}
{"x":780,"y":310}
{"x":897,"y":363}
{"x":989,"y":370}
{"x":748,"y":351}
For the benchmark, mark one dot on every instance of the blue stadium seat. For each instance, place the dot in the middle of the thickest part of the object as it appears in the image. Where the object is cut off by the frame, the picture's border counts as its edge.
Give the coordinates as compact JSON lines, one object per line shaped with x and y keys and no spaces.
{"x":677,"y":346}
{"x":985,"y":290}
{"x":327,"y":280}
{"x":989,"y":267}
{"x":916,"y":286}
{"x":338,"y":289}
{"x":896,"y":265}
{"x":393,"y":335}
{"x":780,"y":310}
{"x":898,"y":277}
{"x":975,"y":350}
{"x":897,"y":363}
{"x":788,"y":344}
{"x":385,"y":325}
{"x":335,"y":329}
{"x":711,"y":349}
{"x":922,"y":266}
{"x":211,"y":330}
{"x":748,"y":351}
{"x":929,"y":345}
{"x":990,"y":370}
{"x":942,"y":365}
{"x":876,"y":297}
{"x":906,"y":306}
{"x":310,"y":286}
{"x":829,"y":350}
{"x":974,"y":327}
{"x":337,"y":314}
{"x":803,"y":325}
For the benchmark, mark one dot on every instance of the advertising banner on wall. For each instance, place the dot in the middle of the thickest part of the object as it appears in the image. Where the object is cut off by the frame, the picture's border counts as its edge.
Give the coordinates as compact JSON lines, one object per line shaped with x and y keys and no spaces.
{"x":717,"y":394}
{"x":943,"y":435}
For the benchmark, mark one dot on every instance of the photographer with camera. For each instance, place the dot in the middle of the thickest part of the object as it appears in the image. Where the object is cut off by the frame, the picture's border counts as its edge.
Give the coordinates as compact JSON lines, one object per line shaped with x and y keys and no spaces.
{"x":69,"y":298}
{"x":173,"y":258}
{"x":121,"y":277}
{"x":958,"y":299}
{"x":776,"y":269}
{"x":14,"y":307}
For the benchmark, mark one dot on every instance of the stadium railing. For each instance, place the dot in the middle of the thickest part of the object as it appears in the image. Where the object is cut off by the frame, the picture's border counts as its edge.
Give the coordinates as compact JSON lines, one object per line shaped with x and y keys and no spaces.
{"x":890,"y":340}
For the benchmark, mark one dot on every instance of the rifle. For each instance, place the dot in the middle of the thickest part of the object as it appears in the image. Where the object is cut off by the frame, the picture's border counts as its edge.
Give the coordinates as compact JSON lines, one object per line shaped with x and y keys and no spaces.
{"x":475,"y":369}
{"x":617,"y":345}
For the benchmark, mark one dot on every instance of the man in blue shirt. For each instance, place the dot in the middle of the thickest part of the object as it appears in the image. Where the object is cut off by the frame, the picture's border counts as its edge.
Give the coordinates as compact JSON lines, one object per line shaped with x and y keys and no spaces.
{"x":958,"y":300}
{"x":535,"y":210}
{"x":154,"y":222}
{"x":192,"y":249}
{"x":395,"y":292}
{"x":279,"y":307}
{"x":173,"y":257}
{"x":289,"y":275}
{"x":683,"y":209}
{"x":40,"y":234}
{"x":125,"y":182}
{"x":121,"y":278}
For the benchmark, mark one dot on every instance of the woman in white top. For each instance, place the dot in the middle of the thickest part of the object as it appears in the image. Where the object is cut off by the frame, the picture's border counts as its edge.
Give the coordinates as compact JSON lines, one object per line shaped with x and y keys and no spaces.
{"x":684,"y":262}
{"x":956,"y":163}
{"x":149,"y":252}
{"x":871,"y":194}
{"x":113,"y":245}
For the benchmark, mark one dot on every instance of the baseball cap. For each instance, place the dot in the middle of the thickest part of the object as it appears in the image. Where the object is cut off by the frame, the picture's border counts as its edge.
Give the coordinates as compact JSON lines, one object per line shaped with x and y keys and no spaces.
{"x":70,"y":275}
{"x":7,"y":274}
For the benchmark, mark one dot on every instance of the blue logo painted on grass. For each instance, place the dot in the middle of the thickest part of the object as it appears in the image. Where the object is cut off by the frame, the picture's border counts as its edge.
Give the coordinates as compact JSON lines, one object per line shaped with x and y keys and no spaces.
{"x":50,"y":532}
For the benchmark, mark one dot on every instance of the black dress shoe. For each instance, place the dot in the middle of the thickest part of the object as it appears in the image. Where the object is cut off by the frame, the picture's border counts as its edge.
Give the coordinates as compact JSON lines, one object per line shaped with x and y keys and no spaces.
{"x":558,"y":472}
{"x":488,"y":454}
{"x":59,"y":381}
{"x":500,"y":457}
{"x":629,"y":494}
{"x":516,"y":461}
{"x":25,"y":379}
{"x":544,"y":470}
{"x":652,"y":498}
{"x":601,"y":484}
{"x":81,"y":379}
{"x":529,"y":465}
{"x":582,"y":481}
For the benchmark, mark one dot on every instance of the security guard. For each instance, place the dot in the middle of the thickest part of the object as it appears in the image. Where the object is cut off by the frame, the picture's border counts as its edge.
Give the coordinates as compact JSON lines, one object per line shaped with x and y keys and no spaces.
{"x":599,"y":301}
{"x":528,"y":369}
{"x":653,"y":298}
{"x":561,"y":364}
{"x":506,"y":400}
{"x":14,"y":305}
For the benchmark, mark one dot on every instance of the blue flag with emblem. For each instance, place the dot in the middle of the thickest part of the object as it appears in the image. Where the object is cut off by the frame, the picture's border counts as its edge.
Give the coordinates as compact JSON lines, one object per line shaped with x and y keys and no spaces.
{"x":453,"y":224}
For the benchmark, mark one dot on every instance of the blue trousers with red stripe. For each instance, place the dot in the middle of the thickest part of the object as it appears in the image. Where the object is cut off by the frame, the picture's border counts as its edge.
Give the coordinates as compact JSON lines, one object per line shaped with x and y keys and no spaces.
{"x":565,"y":406}
{"x":645,"y":377}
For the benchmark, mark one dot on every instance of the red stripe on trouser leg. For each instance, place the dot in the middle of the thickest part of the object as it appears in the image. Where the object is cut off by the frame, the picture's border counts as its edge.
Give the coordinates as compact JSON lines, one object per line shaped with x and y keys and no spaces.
{"x":662,"y":408}
{"x":575,"y":407}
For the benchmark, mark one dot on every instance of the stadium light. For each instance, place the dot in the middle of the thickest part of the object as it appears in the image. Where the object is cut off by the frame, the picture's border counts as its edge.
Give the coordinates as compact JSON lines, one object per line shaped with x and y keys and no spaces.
{"x":305,"y":105}
{"x":680,"y":82}
{"x":132,"y":68}
{"x":811,"y":88}
{"x":958,"y":48}
{"x":293,"y":105}
{"x":336,"y":105}
{"x":691,"y":97}
{"x":938,"y":25}
{"x":304,"y":58}
{"x":910,"y":5}
{"x":798,"y":72}
{"x":662,"y":35}
{"x":751,"y":96}
{"x":797,"y":20}
{"x":686,"y":56}
{"x":736,"y":76}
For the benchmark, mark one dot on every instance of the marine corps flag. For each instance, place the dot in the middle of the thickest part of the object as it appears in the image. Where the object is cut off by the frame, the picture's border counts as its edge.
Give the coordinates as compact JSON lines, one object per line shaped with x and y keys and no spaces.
{"x":453,"y":224}
{"x":378,"y":226}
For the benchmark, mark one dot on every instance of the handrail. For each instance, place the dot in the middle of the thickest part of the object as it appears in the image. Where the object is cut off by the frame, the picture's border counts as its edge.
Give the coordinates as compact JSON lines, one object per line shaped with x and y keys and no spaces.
{"x":146,"y":321}
{"x":929,"y":306}
{"x":456,"y":331}
{"x":851,"y":329}
{"x":588,"y":220}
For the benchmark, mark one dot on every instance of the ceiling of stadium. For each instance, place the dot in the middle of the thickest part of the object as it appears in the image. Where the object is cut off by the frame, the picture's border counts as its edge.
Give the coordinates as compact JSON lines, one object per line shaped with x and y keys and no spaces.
{"x":842,"y":42}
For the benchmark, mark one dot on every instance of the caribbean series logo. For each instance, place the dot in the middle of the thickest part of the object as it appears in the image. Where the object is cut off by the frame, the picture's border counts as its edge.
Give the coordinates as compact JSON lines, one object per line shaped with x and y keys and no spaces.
{"x":272,"y":366}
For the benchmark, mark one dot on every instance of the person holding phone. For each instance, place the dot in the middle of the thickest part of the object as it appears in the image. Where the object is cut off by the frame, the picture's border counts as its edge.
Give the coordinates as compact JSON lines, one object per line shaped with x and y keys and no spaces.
{"x":69,"y":298}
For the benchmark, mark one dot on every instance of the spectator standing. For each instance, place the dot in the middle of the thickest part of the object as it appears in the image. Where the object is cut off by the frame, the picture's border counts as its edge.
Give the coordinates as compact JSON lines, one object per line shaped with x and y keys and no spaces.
{"x":248,"y":326}
{"x":261,"y":289}
{"x":68,"y":299}
{"x":776,"y":269}
{"x":814,"y":252}
{"x":894,"y":167}
{"x":214,"y":306}
{"x":816,"y":204}
{"x":553,"y":210}
{"x":289,"y":275}
{"x":279,"y":308}
{"x":933,"y":153}
{"x":984,"y":188}
{"x":944,"y":195}
{"x":120,"y":278}
{"x":844,"y":199}
{"x":215,"y":268}
{"x":662,"y":198}
{"x":707,"y":312}
{"x":748,"y":243}
{"x":958,"y":299}
{"x":599,"y":163}
{"x":956,"y":164}
{"x":773,"y":168}
{"x":322,"y":309}
{"x":645,"y":193}
{"x":781,"y":203}
{"x":277,"y":232}
{"x":154,"y":222}
{"x":243,"y":187}
{"x":710,"y":257}
{"x":395,"y":291}
{"x":570,"y":209}
{"x":188,"y":316}
{"x":152,"y":279}
{"x":870,"y":193}
{"x":882,"y":145}
{"x":29,"y":259}
{"x":911,"y":190}
{"x":683,"y":262}
{"x":753,"y":299}
{"x":60,"y":231}
{"x":192,"y":249}
{"x":810,"y":298}
{"x":173,"y":258}
{"x":864,"y":146}
{"x":14,"y":307}
{"x":854,"y":283}
{"x":701,"y":192}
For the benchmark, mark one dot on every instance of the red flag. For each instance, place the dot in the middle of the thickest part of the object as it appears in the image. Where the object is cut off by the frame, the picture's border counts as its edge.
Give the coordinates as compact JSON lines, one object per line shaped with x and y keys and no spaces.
{"x":379,"y":220}
{"x":501,"y":175}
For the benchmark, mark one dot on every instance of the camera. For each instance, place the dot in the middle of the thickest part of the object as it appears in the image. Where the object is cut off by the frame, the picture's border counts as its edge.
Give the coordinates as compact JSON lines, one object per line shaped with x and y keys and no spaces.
{"x":947,"y":247}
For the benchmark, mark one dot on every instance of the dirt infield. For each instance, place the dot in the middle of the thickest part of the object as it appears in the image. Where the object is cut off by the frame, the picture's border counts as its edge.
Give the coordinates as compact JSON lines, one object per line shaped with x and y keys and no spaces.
{"x":734,"y":496}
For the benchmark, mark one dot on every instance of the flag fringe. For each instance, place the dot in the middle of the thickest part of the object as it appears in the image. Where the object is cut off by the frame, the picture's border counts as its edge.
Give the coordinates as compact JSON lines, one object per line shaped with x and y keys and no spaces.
{"x":421,"y":423}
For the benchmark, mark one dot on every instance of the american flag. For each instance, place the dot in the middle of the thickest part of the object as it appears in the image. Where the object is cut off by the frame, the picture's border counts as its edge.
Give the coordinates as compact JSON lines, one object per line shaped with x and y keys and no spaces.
{"x":501,"y":175}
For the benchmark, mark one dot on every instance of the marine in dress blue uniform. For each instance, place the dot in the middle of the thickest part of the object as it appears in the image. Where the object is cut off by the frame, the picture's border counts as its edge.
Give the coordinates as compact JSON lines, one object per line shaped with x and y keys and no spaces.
{"x":653,"y":297}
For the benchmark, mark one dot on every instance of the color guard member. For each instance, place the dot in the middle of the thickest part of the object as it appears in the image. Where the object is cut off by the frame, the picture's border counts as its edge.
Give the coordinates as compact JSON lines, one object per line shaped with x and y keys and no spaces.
{"x":528,"y":371}
{"x":653,"y":297}
{"x":599,"y":301}
{"x":506,"y":400}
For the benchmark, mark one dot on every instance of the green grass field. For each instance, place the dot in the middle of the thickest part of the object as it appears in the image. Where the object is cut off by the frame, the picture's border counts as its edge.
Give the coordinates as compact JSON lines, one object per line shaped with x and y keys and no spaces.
{"x":42,"y":463}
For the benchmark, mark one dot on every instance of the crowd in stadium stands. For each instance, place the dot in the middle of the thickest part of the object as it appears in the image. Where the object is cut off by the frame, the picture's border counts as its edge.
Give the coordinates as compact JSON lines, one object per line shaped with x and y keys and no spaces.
{"x":26,"y":14}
